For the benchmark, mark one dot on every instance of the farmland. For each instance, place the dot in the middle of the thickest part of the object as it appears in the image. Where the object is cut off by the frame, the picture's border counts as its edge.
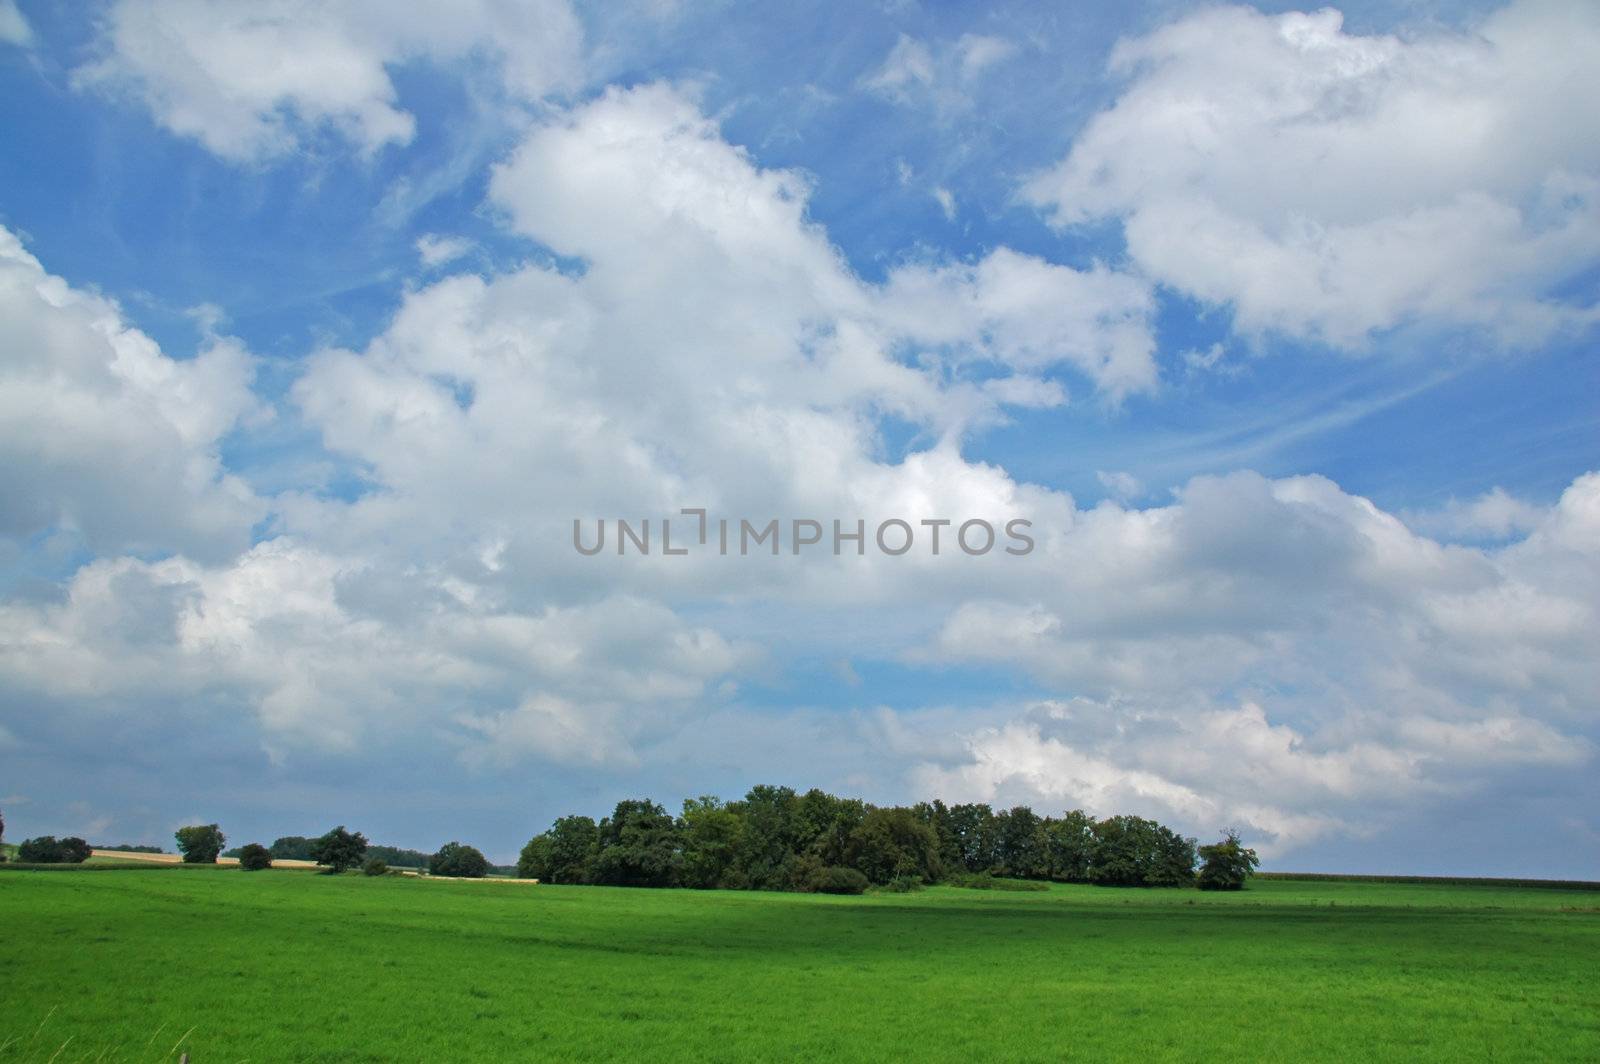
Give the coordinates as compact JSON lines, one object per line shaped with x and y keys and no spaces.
{"x":290,"y":965}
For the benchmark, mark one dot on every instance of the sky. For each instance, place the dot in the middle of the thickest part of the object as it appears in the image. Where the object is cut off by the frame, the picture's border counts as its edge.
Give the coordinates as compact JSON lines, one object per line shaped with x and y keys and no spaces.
{"x":322,"y":326}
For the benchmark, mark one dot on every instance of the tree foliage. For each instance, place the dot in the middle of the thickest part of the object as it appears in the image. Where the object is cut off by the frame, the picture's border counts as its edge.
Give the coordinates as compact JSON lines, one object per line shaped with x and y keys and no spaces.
{"x":459,"y":861}
{"x":1227,"y":864}
{"x":254,"y":857}
{"x":200,"y":843}
{"x":776,"y":839}
{"x":339,"y":849}
{"x":47,"y":849}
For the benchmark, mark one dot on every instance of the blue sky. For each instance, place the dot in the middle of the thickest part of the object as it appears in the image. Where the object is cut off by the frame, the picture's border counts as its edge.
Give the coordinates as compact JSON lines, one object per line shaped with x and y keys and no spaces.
{"x":1278,"y":326}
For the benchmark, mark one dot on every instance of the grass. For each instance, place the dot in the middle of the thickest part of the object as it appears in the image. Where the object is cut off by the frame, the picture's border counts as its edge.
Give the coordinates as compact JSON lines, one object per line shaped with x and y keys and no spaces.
{"x":289,"y":965}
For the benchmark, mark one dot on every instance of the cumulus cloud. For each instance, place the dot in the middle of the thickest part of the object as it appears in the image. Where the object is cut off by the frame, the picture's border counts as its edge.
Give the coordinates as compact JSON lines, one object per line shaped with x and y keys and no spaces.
{"x":1493,"y":515}
{"x":252,"y":81}
{"x":1332,"y":185}
{"x":106,"y":437}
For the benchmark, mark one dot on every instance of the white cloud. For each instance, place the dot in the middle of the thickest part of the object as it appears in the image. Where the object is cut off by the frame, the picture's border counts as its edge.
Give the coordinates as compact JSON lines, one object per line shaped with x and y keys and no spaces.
{"x":436,"y":250}
{"x":251,"y":81}
{"x":14,"y":28}
{"x":1331,"y":185}
{"x":1122,"y":485}
{"x":945,"y":74}
{"x":103,"y":435}
{"x":908,"y":65}
{"x":1492,"y":515}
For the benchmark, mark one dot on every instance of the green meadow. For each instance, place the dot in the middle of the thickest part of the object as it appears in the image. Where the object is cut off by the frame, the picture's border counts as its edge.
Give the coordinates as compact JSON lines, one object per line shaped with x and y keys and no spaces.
{"x":145,"y":964}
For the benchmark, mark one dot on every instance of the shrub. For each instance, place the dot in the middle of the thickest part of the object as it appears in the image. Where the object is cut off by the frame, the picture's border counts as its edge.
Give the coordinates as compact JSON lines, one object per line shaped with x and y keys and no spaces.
{"x":254,"y":857}
{"x":374,"y":867}
{"x":904,"y":884}
{"x":459,"y":861}
{"x":200,"y":843}
{"x":47,"y":849}
{"x":985,"y":881}
{"x":840,"y":880}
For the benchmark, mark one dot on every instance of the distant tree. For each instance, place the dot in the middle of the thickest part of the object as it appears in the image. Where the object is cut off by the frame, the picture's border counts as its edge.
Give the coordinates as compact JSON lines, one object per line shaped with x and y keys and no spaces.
{"x":254,"y":857}
{"x":2,"y":837}
{"x":294,"y":848}
{"x":375,"y":867}
{"x":339,"y":849}
{"x":200,"y":843}
{"x":126,"y":848}
{"x":1023,"y":845}
{"x":1228,"y":864}
{"x":893,"y":843}
{"x":774,"y":827}
{"x":1071,"y":846}
{"x":973,"y":827}
{"x":565,"y":854}
{"x":638,"y":846}
{"x":47,"y":849}
{"x":711,"y":836}
{"x":459,"y":861}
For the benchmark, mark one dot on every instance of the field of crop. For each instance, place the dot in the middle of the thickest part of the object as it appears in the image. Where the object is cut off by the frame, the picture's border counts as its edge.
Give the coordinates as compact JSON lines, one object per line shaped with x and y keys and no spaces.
{"x":139,"y":965}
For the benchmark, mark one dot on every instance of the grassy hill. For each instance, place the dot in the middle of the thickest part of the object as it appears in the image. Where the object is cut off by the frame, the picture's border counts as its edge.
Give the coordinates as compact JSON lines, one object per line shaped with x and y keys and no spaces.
{"x":290,"y":965}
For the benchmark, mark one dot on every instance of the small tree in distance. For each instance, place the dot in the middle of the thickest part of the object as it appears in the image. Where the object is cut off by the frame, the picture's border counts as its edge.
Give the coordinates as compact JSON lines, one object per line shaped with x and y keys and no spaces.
{"x":254,"y":857}
{"x":339,"y":849}
{"x":1227,"y":864}
{"x":455,"y":859}
{"x":200,"y":843}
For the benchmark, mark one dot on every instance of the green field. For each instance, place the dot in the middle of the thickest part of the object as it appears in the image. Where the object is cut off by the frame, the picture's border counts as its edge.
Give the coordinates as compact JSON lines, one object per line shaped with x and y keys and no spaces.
{"x":126,"y":964}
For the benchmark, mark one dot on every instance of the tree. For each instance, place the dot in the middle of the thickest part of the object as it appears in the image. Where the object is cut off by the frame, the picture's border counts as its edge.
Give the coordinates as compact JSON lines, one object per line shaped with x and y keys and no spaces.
{"x":1023,"y":847}
{"x":47,"y":849}
{"x":339,"y":849}
{"x":254,"y":857}
{"x":1227,"y":864}
{"x":375,"y":867}
{"x":891,"y":844}
{"x":1071,"y":846}
{"x":200,"y":843}
{"x":638,"y":846}
{"x":2,"y":837}
{"x":711,"y":835}
{"x":564,"y":854}
{"x":459,"y":861}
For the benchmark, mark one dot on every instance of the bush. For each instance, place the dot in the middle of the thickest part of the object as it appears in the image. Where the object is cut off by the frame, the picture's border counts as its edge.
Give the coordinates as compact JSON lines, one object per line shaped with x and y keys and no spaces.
{"x":459,"y":861}
{"x":200,"y":843}
{"x":840,"y":880}
{"x":47,"y":849}
{"x":905,"y":884}
{"x":985,"y":881}
{"x":374,"y":867}
{"x":254,"y":857}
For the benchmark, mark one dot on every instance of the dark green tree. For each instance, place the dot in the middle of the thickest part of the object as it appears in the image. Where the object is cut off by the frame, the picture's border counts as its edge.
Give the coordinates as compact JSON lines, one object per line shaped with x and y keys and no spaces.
{"x":893,"y":844}
{"x":1071,"y":846}
{"x":339,"y":849}
{"x":1227,"y":864}
{"x":564,"y":854}
{"x":638,"y":846}
{"x":711,"y":835}
{"x":200,"y":843}
{"x":458,"y":861}
{"x":47,"y":849}
{"x":254,"y":857}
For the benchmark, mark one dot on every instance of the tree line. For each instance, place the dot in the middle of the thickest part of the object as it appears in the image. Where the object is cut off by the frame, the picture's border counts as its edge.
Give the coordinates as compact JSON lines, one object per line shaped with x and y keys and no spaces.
{"x":777,"y":839}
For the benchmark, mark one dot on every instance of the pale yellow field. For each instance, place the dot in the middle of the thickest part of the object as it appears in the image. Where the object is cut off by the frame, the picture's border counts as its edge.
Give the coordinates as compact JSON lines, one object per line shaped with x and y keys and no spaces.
{"x":172,"y":858}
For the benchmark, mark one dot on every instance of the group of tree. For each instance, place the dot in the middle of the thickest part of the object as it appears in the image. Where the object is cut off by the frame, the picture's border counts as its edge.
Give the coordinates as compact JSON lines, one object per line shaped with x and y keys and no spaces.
{"x":777,"y":839}
{"x":47,"y":849}
{"x":302,"y":848}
